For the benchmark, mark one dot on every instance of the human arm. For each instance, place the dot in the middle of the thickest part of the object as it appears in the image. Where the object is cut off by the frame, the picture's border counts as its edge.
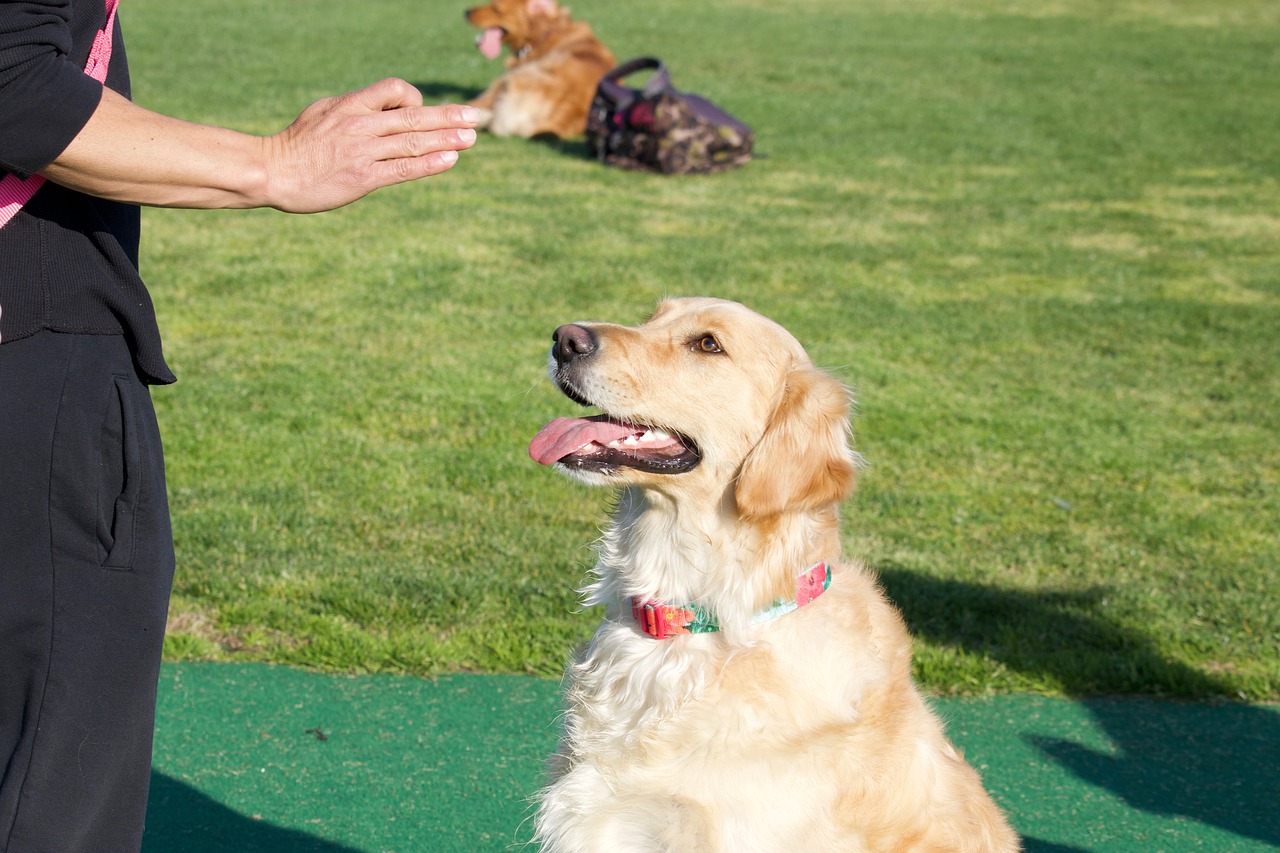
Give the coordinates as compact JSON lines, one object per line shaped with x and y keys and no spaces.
{"x":338,"y":150}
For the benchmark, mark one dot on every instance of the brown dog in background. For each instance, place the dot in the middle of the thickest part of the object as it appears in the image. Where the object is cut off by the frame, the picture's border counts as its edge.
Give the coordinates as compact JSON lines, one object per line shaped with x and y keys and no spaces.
{"x":552,"y":72}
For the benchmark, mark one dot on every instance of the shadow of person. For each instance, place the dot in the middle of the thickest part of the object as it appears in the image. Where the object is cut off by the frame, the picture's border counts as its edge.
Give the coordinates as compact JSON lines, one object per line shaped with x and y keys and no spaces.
{"x":180,"y":818}
{"x":1054,"y":637}
{"x":1218,"y":764}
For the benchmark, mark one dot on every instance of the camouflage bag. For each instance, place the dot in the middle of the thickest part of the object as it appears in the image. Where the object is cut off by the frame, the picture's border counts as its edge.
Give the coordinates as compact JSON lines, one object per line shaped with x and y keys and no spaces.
{"x":658,"y":129}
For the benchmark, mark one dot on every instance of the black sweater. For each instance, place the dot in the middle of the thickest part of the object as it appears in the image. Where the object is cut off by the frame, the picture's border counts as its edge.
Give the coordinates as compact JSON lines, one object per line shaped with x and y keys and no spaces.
{"x":68,"y":261}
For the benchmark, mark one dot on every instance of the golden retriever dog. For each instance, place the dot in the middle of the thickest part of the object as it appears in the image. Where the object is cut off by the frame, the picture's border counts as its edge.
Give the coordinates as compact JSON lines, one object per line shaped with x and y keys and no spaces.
{"x":749,"y":691}
{"x":552,"y":72}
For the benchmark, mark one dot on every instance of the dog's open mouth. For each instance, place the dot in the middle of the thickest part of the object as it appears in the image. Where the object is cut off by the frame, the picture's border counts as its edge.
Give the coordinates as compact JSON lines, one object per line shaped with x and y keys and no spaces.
{"x":489,"y":42}
{"x":605,"y":444}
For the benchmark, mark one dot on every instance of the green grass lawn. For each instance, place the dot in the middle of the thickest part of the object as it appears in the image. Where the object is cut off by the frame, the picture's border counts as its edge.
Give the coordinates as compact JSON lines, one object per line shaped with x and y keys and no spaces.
{"x":1041,"y":241}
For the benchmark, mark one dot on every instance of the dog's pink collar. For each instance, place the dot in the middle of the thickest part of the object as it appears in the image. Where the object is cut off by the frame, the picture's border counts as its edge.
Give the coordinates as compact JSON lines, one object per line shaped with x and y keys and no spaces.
{"x":661,"y":621}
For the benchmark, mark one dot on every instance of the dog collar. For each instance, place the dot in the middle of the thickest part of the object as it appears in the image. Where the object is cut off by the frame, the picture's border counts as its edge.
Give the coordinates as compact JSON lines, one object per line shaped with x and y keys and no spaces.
{"x":661,"y":621}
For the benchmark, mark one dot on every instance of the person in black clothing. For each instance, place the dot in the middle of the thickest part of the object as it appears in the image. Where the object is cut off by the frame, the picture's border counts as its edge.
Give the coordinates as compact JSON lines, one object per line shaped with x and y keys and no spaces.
{"x":86,"y":554}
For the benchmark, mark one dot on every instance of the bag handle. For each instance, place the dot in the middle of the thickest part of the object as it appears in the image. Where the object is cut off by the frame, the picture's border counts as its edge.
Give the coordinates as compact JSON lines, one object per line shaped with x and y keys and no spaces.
{"x":622,"y":95}
{"x":16,"y":192}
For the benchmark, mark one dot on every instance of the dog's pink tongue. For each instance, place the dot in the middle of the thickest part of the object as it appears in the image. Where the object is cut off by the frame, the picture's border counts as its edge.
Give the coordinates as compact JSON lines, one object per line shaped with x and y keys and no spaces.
{"x":490,"y":42}
{"x":565,"y":435}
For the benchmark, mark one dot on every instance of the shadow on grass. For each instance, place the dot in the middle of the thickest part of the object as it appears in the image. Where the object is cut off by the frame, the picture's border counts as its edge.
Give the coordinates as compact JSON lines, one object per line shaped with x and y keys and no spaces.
{"x":180,"y":818}
{"x":1034,"y":845}
{"x":1218,"y":764}
{"x":446,"y":93}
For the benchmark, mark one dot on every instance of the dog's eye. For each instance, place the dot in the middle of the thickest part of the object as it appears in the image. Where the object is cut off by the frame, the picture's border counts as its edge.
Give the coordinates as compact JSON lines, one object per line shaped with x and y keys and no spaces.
{"x":708,"y":343}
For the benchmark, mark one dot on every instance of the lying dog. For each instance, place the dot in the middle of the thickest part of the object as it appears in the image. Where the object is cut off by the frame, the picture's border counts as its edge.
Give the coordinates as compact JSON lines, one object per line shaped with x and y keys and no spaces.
{"x":747,"y":690}
{"x":552,"y":72}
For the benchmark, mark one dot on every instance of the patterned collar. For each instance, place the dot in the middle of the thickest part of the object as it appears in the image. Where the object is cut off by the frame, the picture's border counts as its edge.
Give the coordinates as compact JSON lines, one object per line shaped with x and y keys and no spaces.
{"x":661,"y":621}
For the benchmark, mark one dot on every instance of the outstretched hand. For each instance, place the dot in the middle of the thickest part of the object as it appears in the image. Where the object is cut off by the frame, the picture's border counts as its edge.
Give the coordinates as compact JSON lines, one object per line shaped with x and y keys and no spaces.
{"x":342,"y":148}
{"x":338,"y":150}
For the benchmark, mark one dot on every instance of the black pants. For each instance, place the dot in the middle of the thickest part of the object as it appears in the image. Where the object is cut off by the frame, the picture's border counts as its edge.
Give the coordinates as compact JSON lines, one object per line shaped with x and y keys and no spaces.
{"x":86,"y":565}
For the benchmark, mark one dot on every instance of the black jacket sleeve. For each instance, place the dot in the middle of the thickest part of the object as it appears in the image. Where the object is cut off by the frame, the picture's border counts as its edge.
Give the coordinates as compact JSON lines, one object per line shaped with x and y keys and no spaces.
{"x":45,"y":96}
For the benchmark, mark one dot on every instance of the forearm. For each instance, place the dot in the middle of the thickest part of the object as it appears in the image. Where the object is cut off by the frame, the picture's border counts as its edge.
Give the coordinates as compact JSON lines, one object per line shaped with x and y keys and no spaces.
{"x":338,"y":150}
{"x":128,"y":153}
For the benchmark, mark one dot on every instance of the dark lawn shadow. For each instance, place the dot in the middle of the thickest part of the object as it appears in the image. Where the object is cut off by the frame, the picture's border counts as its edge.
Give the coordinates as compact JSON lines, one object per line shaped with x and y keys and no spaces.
{"x":446,"y":93}
{"x":180,"y":819}
{"x":1057,"y":636}
{"x":575,"y":148}
{"x":1035,"y":845}
{"x":1218,"y":764}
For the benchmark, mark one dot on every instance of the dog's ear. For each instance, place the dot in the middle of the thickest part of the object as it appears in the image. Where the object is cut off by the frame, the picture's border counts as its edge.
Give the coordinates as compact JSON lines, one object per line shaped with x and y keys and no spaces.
{"x":804,"y":460}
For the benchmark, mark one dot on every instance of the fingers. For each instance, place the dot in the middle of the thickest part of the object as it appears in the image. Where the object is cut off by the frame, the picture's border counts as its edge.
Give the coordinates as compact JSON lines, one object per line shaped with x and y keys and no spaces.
{"x":400,"y":103}
{"x":423,"y":119}
{"x":396,"y":125}
{"x":419,"y":144}
{"x":400,"y":170}
{"x":342,"y":148}
{"x":407,"y":157}
{"x":408,"y":142}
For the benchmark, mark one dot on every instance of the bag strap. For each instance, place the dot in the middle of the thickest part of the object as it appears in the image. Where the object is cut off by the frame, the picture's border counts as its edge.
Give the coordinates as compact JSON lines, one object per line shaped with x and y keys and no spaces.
{"x":16,"y":192}
{"x":622,"y":95}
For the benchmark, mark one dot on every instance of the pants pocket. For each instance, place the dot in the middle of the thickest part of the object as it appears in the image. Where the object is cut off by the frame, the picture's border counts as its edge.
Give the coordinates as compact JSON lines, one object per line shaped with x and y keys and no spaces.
{"x":123,"y":474}
{"x":106,"y":495}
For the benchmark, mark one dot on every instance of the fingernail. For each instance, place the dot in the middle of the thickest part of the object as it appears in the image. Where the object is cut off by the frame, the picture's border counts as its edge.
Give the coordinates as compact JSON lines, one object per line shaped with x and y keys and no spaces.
{"x":449,"y":157}
{"x":467,"y":135}
{"x":470,"y":115}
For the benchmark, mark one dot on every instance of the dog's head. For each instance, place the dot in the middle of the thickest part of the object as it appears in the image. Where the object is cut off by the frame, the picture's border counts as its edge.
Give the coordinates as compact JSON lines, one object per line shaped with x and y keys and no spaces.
{"x":515,"y":23}
{"x":705,"y":400}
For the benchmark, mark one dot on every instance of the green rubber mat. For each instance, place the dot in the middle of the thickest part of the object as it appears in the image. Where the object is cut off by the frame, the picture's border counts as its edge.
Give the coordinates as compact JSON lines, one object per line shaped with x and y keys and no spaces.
{"x":251,"y":757}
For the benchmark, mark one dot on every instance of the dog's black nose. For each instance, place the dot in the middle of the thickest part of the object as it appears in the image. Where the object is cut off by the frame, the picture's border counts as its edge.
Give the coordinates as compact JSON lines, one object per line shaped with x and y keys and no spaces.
{"x":572,"y":341}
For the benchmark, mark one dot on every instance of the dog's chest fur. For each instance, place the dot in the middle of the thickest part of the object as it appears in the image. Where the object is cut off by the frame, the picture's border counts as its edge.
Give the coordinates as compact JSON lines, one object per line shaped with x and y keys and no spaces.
{"x":702,"y":724}
{"x":629,"y":692}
